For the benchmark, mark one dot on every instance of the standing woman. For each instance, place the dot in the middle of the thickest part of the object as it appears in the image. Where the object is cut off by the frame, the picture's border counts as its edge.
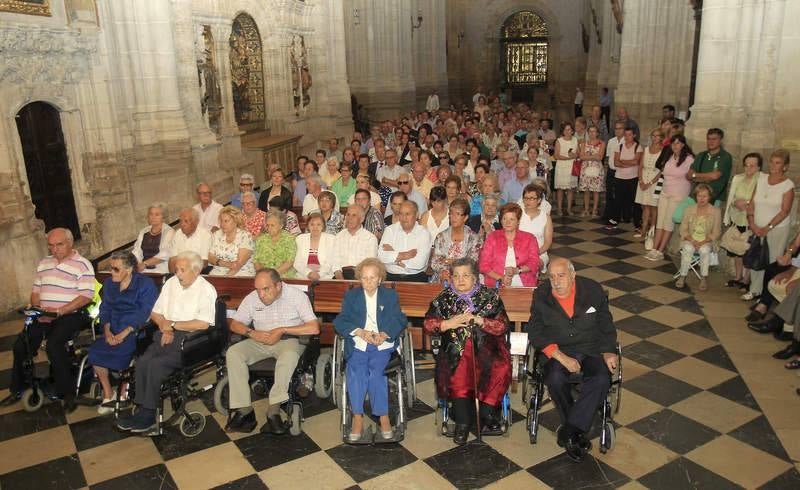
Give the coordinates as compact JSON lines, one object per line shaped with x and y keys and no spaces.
{"x":741,"y":193}
{"x":565,"y":155}
{"x":370,"y":323}
{"x":152,"y":245}
{"x":510,"y":256}
{"x":648,"y":177}
{"x":767,"y":214}
{"x":592,"y":178}
{"x":673,"y":164}
{"x":231,"y":246}
{"x":627,"y":161}
{"x":315,"y":251}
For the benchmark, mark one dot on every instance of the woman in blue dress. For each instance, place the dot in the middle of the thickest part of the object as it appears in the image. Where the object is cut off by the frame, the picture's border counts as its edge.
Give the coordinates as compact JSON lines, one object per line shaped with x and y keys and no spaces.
{"x":128,"y":299}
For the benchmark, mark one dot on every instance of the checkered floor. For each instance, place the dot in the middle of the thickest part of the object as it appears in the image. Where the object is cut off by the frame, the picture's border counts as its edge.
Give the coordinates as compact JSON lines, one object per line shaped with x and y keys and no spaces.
{"x":688,"y":420}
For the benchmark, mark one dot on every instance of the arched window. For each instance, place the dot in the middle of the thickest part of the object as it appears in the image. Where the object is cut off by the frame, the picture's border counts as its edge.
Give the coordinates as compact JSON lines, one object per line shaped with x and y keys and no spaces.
{"x":247,"y":76}
{"x":524,"y":44}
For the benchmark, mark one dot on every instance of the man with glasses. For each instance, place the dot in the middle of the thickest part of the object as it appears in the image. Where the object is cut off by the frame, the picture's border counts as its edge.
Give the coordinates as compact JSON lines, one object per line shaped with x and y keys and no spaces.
{"x":246,"y":184}
{"x":404,"y":185}
{"x":207,"y":207}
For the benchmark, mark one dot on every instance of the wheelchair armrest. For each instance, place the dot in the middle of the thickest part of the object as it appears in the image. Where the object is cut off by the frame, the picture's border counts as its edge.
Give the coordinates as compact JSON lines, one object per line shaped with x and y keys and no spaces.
{"x":144,"y":336}
{"x":200,"y":346}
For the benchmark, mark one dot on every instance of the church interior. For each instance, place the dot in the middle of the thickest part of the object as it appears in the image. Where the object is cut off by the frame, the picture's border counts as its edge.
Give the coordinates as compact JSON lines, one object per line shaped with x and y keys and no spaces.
{"x":109,"y":106}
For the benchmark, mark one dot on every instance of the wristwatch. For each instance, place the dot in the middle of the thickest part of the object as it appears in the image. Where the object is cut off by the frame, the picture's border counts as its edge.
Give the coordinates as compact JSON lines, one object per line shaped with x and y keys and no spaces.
{"x":771,"y":226}
{"x":694,"y":174}
{"x":172,"y":326}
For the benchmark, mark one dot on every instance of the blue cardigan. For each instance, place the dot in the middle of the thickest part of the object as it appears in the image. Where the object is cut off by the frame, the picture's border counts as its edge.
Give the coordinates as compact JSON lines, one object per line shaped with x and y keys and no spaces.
{"x":354,"y":315}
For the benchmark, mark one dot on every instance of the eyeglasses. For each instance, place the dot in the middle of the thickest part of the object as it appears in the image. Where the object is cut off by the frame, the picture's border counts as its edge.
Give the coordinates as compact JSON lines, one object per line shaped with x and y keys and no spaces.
{"x":402,"y":182}
{"x":116,"y":269}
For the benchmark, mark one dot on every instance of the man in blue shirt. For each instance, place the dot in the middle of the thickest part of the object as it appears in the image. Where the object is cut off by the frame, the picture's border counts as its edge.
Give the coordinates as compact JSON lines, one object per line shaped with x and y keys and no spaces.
{"x":512,"y":190}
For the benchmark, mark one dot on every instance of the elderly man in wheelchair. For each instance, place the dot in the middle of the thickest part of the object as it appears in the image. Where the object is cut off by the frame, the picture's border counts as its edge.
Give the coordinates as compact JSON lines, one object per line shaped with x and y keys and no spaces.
{"x":571,"y":325}
{"x":280,"y":315}
{"x":186,"y":306}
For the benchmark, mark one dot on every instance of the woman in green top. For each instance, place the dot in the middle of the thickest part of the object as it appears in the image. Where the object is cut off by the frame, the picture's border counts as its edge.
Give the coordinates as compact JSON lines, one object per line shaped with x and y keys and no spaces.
{"x":276,"y":248}
{"x":741,"y":192}
{"x":344,"y":186}
{"x":700,"y":228}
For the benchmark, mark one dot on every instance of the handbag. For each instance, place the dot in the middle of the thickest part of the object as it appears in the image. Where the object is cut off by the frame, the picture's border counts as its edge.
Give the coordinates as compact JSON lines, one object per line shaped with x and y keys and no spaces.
{"x":757,"y":256}
{"x":734,"y":241}
{"x":576,"y":167}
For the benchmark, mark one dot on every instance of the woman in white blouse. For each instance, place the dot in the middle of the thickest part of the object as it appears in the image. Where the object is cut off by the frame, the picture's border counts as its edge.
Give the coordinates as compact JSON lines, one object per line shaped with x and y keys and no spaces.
{"x":152,"y":247}
{"x":315,"y":251}
{"x":231,"y":246}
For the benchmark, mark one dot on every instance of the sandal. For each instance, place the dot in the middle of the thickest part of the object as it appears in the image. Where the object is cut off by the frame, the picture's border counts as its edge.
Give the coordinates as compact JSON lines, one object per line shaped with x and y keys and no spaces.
{"x":793,"y":364}
{"x":733,"y":283}
{"x":748,"y":296}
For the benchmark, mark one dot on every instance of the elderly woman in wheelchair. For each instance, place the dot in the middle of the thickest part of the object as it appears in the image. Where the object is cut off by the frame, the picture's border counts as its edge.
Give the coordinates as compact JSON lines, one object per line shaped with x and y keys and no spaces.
{"x":571,"y":325}
{"x":187,"y":303}
{"x":371,"y":324}
{"x":473,"y":360}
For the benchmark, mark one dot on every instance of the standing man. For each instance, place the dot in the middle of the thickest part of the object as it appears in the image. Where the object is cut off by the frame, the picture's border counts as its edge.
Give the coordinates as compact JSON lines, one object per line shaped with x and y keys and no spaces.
{"x":279,"y":315}
{"x":624,"y":118}
{"x":207,"y":207}
{"x":432,"y":104}
{"x":578,"y":102}
{"x":610,"y":215}
{"x":712,"y":166}
{"x":63,"y":285}
{"x":605,"y":105}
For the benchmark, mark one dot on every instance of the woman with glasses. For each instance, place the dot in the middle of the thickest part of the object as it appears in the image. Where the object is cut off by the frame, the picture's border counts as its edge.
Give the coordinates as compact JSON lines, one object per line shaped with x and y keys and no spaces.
{"x":128,"y":298}
{"x":536,"y":221}
{"x":456,"y":242}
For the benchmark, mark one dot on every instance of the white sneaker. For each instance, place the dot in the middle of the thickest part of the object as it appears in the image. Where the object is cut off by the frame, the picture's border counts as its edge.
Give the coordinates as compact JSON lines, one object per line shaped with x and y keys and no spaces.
{"x":651,"y":255}
{"x":658,"y":255}
{"x":106,"y":410}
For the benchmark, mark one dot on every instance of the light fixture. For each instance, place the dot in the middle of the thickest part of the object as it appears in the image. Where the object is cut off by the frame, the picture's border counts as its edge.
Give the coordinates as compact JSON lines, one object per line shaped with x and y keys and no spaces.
{"x":418,"y":24}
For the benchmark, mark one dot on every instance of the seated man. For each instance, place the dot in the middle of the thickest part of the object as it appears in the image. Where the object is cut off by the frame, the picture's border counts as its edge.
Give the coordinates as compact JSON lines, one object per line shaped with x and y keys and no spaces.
{"x":246,"y":184}
{"x":207,"y":207}
{"x":190,"y":237}
{"x":187,"y":303}
{"x":353,"y":244}
{"x":406,"y":247}
{"x":63,"y":285}
{"x":279,"y":315}
{"x":572,"y":325}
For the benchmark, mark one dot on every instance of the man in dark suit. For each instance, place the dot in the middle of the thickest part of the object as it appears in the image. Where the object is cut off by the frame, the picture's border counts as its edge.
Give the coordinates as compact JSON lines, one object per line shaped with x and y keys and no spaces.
{"x":572,"y":326}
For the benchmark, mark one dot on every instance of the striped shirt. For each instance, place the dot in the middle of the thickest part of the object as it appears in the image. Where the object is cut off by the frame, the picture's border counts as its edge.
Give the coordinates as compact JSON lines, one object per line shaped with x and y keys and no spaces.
{"x":292,"y":308}
{"x":58,"y":283}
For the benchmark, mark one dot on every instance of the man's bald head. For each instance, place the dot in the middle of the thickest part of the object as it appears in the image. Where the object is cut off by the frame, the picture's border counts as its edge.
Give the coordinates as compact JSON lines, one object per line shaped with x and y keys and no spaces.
{"x":562,"y":276}
{"x":59,"y":243}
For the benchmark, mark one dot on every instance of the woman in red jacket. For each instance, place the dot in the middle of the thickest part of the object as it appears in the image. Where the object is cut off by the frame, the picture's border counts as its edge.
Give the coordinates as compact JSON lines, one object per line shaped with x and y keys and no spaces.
{"x":510,"y":255}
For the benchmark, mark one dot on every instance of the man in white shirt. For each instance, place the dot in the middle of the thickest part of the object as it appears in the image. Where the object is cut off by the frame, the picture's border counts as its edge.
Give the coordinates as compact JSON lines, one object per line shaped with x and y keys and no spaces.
{"x":578,"y":102}
{"x":353,"y":244}
{"x":406,"y":247}
{"x":207,"y":207}
{"x":279,"y":315}
{"x":310,"y":202}
{"x":190,"y":237}
{"x":612,"y":147}
{"x":387,"y":174}
{"x":433,"y":102}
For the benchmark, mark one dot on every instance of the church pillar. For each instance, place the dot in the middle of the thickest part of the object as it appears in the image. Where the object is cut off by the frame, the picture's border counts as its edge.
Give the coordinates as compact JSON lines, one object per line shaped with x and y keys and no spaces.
{"x":379,"y":47}
{"x":430,"y":50}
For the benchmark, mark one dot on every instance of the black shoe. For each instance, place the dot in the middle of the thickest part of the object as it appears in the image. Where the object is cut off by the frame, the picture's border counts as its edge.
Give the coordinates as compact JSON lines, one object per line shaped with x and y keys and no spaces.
{"x":574,"y":450}
{"x":69,"y":404}
{"x":774,"y":325}
{"x":783,"y":335}
{"x":490,"y":425}
{"x":787,"y":352}
{"x":561,"y":436}
{"x":10,"y":399}
{"x":584,"y":442}
{"x":756,"y":317}
{"x":460,"y":434}
{"x":241,"y":423}
{"x":275,"y":425}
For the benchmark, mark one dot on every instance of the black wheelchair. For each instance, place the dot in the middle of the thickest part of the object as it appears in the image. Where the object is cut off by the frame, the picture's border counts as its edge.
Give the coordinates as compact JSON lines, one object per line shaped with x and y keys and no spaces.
{"x":531,"y":371}
{"x":445,"y":424}
{"x":40,"y":389}
{"x":313,"y":372}
{"x":402,"y":379}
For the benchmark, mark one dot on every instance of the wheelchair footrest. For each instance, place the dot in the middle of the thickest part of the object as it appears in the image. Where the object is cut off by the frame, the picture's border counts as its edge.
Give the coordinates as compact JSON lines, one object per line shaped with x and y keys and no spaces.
{"x":367,"y":437}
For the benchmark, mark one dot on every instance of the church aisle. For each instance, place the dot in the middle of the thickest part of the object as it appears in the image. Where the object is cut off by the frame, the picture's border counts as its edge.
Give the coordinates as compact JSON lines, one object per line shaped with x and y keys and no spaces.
{"x":701,"y":406}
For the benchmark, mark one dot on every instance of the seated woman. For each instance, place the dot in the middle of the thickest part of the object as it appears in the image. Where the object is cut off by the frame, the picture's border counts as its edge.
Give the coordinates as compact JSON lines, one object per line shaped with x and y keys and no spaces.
{"x":152,"y":245}
{"x":253,"y":217}
{"x":186,"y":303}
{"x":128,"y":298}
{"x":456,"y":242}
{"x":276,"y":248}
{"x":334,"y":221}
{"x":700,"y":228}
{"x":277,"y":190}
{"x":370,"y":323}
{"x":315,"y":251}
{"x":231,"y":246}
{"x":435,"y":219}
{"x":488,"y":220}
{"x":463,"y":310}
{"x":510,"y":256}
{"x":292,"y":225}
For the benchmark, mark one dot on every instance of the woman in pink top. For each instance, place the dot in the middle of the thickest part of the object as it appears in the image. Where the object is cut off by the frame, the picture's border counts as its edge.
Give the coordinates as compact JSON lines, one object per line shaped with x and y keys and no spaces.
{"x":673,"y":165}
{"x":510,"y":255}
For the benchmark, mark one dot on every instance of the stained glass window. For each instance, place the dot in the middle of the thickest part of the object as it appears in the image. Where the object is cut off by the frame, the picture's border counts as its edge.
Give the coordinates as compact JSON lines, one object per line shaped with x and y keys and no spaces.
{"x":247,"y":76}
{"x":524,"y":46}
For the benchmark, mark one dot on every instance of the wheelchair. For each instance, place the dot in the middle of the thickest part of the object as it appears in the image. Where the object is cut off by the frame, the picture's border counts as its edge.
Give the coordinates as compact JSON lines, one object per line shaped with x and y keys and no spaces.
{"x":39,"y":388}
{"x":313,"y":372}
{"x":401,"y":377}
{"x":531,"y":371}
{"x":446,"y":426}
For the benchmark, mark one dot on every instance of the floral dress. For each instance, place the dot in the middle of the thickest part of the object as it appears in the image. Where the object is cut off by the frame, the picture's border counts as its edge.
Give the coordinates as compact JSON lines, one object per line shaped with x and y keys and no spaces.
{"x":444,"y":248}
{"x":229,"y":252}
{"x":592,"y":176}
{"x":272,"y":254}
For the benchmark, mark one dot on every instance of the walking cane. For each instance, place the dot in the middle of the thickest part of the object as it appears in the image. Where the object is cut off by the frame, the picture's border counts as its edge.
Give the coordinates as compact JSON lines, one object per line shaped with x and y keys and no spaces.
{"x":475,"y":381}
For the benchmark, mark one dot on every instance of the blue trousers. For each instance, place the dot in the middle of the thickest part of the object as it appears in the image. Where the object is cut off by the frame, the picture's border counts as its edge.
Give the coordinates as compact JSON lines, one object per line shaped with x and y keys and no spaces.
{"x":365,"y":375}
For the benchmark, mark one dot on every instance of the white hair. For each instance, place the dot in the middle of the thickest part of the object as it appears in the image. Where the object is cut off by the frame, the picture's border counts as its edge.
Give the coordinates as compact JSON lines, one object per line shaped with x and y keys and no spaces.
{"x":247,"y":178}
{"x":161,"y":207}
{"x":195,"y":262}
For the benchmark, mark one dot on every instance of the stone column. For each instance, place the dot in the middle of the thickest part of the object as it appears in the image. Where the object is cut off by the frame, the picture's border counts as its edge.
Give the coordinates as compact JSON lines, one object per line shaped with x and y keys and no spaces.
{"x":429,"y":51}
{"x":379,"y":50}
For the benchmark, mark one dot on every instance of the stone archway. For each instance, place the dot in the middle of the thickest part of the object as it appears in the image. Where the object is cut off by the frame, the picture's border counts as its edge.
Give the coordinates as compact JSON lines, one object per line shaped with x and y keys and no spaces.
{"x":247,"y":74}
{"x":47,"y":166}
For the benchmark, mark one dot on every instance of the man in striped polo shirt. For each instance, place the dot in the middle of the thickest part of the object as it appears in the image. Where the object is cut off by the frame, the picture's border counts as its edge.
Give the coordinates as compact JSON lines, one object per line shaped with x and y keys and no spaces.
{"x":63,"y":285}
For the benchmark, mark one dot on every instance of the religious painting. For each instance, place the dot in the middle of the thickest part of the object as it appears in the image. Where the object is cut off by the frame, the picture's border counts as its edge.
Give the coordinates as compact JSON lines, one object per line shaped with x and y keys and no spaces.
{"x":32,"y":7}
{"x":247,"y":76}
{"x":210,"y":93}
{"x":301,"y":74}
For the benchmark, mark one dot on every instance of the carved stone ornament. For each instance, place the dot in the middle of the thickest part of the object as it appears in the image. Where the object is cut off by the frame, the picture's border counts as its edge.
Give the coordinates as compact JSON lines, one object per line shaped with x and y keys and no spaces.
{"x":30,"y":56}
{"x":301,"y":74}
{"x":32,"y":7}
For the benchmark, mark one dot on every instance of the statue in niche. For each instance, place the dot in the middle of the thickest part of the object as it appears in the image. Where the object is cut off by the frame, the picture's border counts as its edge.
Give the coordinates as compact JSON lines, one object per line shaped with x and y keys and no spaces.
{"x":301,"y":75}
{"x":616,"y":9}
{"x":210,"y":93}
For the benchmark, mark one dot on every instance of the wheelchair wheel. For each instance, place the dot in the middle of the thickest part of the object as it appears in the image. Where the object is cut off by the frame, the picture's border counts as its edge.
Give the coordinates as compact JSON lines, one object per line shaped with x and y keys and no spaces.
{"x":193,"y":425}
{"x":409,"y":368}
{"x":221,"y":399}
{"x":296,"y":427}
{"x":323,"y":376}
{"x":607,"y":438}
{"x":337,"y":372}
{"x":95,"y":391}
{"x":32,"y":399}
